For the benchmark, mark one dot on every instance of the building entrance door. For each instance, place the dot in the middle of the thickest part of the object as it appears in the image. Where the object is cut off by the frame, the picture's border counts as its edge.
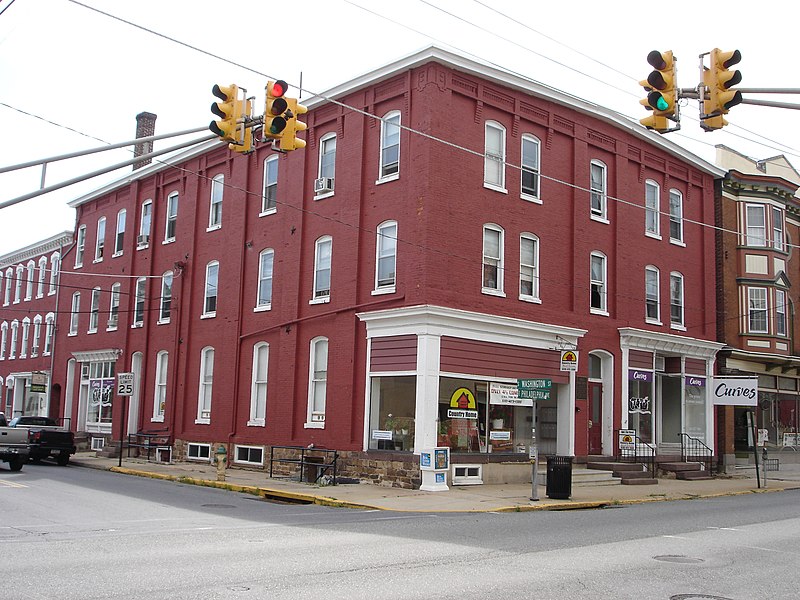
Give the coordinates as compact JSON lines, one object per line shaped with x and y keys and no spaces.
{"x":670,"y":409}
{"x":595,"y":417}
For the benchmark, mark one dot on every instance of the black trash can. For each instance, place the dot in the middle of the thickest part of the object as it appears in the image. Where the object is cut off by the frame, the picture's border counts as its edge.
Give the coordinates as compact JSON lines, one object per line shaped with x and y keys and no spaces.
{"x":559,"y":477}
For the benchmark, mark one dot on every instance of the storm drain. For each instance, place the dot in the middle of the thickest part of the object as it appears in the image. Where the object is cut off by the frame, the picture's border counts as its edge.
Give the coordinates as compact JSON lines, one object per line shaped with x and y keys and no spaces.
{"x":696,"y":596}
{"x":679,"y":558}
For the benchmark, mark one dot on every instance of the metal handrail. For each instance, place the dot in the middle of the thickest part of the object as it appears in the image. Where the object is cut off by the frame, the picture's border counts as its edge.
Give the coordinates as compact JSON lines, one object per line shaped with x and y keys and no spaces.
{"x":695,"y":450}
{"x":305,"y":459}
{"x":642,"y":452}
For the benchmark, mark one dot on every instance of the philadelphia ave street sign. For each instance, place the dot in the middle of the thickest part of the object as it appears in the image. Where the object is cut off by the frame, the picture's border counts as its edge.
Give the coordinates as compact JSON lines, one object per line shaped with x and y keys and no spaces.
{"x":534,"y":389}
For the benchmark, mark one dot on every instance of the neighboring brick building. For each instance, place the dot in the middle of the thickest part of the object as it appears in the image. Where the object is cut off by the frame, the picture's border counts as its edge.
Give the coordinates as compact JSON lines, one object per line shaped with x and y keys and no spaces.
{"x":382,"y":291}
{"x":28,"y":291}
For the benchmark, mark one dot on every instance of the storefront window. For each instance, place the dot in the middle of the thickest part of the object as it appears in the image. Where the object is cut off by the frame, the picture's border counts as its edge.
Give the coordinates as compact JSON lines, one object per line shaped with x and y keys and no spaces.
{"x":100,"y":379}
{"x":392,"y":406}
{"x":695,"y":402}
{"x":640,"y":404}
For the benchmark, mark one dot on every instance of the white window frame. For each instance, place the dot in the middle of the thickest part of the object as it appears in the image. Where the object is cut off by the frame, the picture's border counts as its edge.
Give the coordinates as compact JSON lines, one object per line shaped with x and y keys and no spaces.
{"x":529,"y":271}
{"x":317,"y":385}
{"x":676,"y":216}
{"x":211,"y":290}
{"x":9,"y":283}
{"x":780,"y":313}
{"x":80,"y":246}
{"x":270,"y":205}
{"x":390,"y":131}
{"x":266,"y":269}
{"x":493,"y":263}
{"x":41,"y":277}
{"x":12,"y":351}
{"x":20,"y":274}
{"x":322,"y":264}
{"x":215,"y":202}
{"x":652,"y":295}
{"x":160,"y":391}
{"x":676,"y":301}
{"x":165,"y":300}
{"x":145,"y":224}
{"x":494,"y":167}
{"x":206,"y":387}
{"x":757,"y":309}
{"x":248,"y":449}
{"x":113,"y":308}
{"x":259,"y":385}
{"x":598,"y":191}
{"x":37,"y":334}
{"x":195,"y":451}
{"x":777,"y":229}
{"x":55,"y":265}
{"x":3,"y":342}
{"x":5,"y":302}
{"x":119,"y":234}
{"x":755,"y":233}
{"x":30,"y":277}
{"x":652,"y":209}
{"x":74,"y":313}
{"x":530,"y":165}
{"x":386,"y":258}
{"x":327,"y":162}
{"x":100,"y":241}
{"x":139,"y":300}
{"x":49,"y":331}
{"x":171,"y":222}
{"x":26,"y":332}
{"x":94,"y":311}
{"x":598,"y":283}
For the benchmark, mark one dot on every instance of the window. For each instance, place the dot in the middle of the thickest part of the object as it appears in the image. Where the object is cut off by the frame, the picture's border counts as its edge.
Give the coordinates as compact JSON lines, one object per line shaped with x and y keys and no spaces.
{"x":318,"y":381}
{"x":530,"y":167}
{"x":165,"y":305}
{"x":327,"y":161}
{"x":676,"y":318}
{"x":206,"y":384}
{"x":598,"y":294}
{"x":172,"y":217}
{"x":100,"y":242}
{"x":3,"y":341}
{"x":386,"y":257}
{"x":74,"y":313}
{"x":597,"y":190}
{"x":1,"y":288}
{"x":119,"y":238}
{"x":30,"y":277}
{"x":757,"y":310}
{"x":210,"y":299}
{"x":269,"y":201}
{"x":94,"y":311}
{"x":258,"y":392}
{"x":651,"y":295}
{"x":160,"y":395}
{"x":675,"y":216}
{"x":26,"y":329}
{"x":777,"y":228}
{"x":139,"y":298}
{"x":266,"y":262}
{"x":780,"y":312}
{"x":97,"y":392}
{"x":528,"y":267}
{"x":42,"y":274}
{"x":12,"y":351}
{"x":390,"y":145}
{"x":18,"y":283}
{"x":113,"y":310}
{"x":50,"y":321}
{"x":37,"y":334}
{"x":494,"y":168}
{"x":322,"y":269}
{"x":199,"y":452}
{"x":144,"y":224}
{"x":215,"y":208}
{"x":55,"y":265}
{"x":492,"y":259}
{"x":651,"y":208}
{"x":756,"y":225}
{"x":80,"y":246}
{"x":9,"y":279}
{"x":250,"y":455}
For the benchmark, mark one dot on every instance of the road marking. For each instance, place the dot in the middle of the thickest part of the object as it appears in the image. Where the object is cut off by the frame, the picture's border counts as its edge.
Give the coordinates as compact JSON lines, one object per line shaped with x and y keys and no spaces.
{"x":11,"y":484}
{"x":724,"y":528}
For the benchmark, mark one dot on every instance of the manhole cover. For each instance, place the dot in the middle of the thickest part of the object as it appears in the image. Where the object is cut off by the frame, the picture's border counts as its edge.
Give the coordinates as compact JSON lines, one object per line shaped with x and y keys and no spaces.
{"x":218,"y":506}
{"x":696,"y":596}
{"x":679,"y":558}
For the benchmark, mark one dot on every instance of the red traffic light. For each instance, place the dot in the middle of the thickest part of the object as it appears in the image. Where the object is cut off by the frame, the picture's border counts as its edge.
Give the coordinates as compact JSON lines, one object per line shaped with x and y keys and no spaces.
{"x":278,"y":88}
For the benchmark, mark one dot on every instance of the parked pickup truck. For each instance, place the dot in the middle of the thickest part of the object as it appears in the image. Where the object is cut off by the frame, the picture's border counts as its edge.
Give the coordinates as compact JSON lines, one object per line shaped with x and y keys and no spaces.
{"x":13,"y":445}
{"x":46,"y":438}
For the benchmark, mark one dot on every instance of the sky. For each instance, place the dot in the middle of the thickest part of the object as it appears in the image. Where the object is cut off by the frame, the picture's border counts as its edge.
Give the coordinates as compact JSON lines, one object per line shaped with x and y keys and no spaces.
{"x":72,"y":78}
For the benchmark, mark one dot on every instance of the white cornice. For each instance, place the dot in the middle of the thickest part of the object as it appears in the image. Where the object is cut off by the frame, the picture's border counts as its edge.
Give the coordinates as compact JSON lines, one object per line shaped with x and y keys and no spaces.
{"x":654,"y":341}
{"x":106,"y":355}
{"x":55,"y":242}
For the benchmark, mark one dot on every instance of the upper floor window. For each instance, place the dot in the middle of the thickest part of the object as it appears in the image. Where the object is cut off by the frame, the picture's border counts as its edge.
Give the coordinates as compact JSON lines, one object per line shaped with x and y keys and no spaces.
{"x":206,"y":385}
{"x":390,"y":145}
{"x":100,"y":242}
{"x":3,"y":341}
{"x":756,"y":225}
{"x":494,"y":168}
{"x":165,"y":306}
{"x":55,"y":265}
{"x":675,"y":216}
{"x":41,"y":277}
{"x":74,"y":313}
{"x":323,"y":249}
{"x":652,"y":209}
{"x":777,"y":228}
{"x":598,"y":283}
{"x":269,"y":200}
{"x":327,"y":164}
{"x":113,"y":309}
{"x":317,"y":382}
{"x":266,"y":261}
{"x":215,"y":207}
{"x":386,"y":256}
{"x":651,"y":295}
{"x":50,"y":321}
{"x":757,"y":310}
{"x":172,"y":217}
{"x":1,"y":287}
{"x":94,"y":311}
{"x":528,"y":267}
{"x":119,"y":237}
{"x":530,"y":167}
{"x":210,"y":298}
{"x":160,"y":394}
{"x":18,"y":283}
{"x":144,"y":224}
{"x":9,"y":283}
{"x":30,"y":277}
{"x":780,"y":312}
{"x":12,"y":351}
{"x":258,"y":390}
{"x":598,"y":199}
{"x":139,"y":301}
{"x":26,"y":328}
{"x":37,"y":334}
{"x":676,"y":317}
{"x":80,"y":246}
{"x":492,"y":259}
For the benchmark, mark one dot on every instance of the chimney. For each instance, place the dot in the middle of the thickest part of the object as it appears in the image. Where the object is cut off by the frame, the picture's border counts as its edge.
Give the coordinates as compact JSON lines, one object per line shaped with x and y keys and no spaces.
{"x":145,"y":127}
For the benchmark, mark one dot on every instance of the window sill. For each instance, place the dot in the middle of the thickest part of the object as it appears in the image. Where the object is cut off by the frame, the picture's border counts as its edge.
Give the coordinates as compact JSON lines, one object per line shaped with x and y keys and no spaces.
{"x":675,"y":242}
{"x":116,"y":254}
{"x":493,"y":292}
{"x":531,"y":299}
{"x":653,"y":321}
{"x":677,"y":327}
{"x":137,"y":325}
{"x":314,"y":425}
{"x":496,"y":188}
{"x":325,"y":195}
{"x":650,"y":234}
{"x":51,"y":293}
{"x":39,"y":296}
{"x":384,"y":290}
{"x":213,"y":228}
{"x":91,"y":331}
{"x":256,"y":423}
{"x":529,"y":198}
{"x":143,"y":247}
{"x":263,"y":308}
{"x":202,"y":421}
{"x":387,"y":178}
{"x":600,"y":219}
{"x":210,"y":315}
{"x":323,"y":300}
{"x":168,"y":241}
{"x":162,"y":322}
{"x":97,"y":260}
{"x":111,"y":328}
{"x":78,"y":266}
{"x":159,"y":419}
{"x":599,"y":311}
{"x":72,"y":334}
{"x":269,"y":211}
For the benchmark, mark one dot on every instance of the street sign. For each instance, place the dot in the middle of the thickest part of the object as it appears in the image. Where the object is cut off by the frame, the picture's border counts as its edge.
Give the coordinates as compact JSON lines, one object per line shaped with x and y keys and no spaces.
{"x":534,"y":389}
{"x":569,"y":360}
{"x":124,"y":384}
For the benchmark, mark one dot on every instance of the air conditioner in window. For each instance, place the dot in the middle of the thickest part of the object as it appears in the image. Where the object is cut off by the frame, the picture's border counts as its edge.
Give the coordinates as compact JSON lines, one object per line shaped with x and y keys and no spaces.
{"x":205,"y":414}
{"x":323,"y":185}
{"x":143,"y":240}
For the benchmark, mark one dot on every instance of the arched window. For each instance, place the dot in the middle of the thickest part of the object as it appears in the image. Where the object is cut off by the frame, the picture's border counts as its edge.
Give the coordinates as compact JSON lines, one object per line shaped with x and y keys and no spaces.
{"x":119,"y":237}
{"x":531,"y":152}
{"x":386,"y":257}
{"x":160,"y":395}
{"x":210,"y":298}
{"x":269,"y":199}
{"x":528,"y":267}
{"x":165,"y":305}
{"x":492,"y":259}
{"x":215,"y":204}
{"x":206,"y":385}
{"x":41,"y":276}
{"x":258,"y":391}
{"x":317,"y":382}
{"x":390,"y":145}
{"x":30,"y":277}
{"x":494,"y":168}
{"x":266,"y":262}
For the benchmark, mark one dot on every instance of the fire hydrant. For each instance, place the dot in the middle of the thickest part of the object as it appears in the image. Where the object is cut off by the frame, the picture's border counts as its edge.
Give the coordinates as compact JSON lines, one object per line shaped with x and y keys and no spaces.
{"x":221,"y":456}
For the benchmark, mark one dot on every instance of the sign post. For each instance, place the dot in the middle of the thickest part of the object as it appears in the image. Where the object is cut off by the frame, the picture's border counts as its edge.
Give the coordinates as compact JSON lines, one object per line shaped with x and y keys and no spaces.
{"x":534,"y":389}
{"x":124,"y":391}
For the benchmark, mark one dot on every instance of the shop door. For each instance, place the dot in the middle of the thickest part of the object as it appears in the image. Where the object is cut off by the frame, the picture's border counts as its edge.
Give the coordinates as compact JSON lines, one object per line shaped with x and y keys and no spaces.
{"x":595,"y":417}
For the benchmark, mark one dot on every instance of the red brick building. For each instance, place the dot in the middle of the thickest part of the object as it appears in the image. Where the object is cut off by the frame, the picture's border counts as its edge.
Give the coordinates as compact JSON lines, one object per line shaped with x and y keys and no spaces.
{"x":448,"y":229}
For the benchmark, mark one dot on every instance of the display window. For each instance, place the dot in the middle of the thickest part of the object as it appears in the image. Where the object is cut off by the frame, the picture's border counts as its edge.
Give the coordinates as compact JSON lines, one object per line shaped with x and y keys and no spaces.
{"x":640,"y":404}
{"x":392,"y":406}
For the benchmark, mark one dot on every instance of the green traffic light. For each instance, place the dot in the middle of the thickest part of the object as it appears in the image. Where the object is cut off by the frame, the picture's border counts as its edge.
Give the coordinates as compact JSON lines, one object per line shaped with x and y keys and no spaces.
{"x":662,"y":104}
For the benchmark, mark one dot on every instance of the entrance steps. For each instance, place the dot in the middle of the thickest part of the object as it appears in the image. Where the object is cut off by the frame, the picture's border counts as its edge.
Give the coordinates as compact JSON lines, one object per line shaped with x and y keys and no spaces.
{"x":628,"y":473}
{"x":686,"y":470}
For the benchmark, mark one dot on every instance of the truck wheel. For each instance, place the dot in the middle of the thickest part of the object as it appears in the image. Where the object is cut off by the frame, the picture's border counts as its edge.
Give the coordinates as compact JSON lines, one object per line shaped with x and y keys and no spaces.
{"x":63,"y":459}
{"x":15,"y":464}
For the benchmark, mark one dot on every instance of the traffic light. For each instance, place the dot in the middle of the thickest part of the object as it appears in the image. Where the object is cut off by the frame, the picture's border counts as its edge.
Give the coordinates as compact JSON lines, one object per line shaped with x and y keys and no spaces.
{"x":229,"y":111}
{"x":662,"y":93}
{"x":719,"y":80}
{"x":246,"y":145}
{"x":275,"y":109}
{"x":289,"y":139}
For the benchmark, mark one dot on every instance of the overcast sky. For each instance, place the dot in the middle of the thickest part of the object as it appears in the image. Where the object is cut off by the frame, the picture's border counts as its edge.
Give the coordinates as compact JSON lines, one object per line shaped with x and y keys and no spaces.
{"x":91,"y":74}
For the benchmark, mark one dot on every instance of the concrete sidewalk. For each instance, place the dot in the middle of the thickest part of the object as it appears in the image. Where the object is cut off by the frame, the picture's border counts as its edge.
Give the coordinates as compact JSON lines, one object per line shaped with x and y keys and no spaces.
{"x":474,"y":498}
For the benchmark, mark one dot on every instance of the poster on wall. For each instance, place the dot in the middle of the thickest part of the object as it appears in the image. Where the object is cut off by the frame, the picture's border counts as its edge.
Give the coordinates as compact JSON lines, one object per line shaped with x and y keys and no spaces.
{"x":734,"y":391}
{"x":503,"y":393}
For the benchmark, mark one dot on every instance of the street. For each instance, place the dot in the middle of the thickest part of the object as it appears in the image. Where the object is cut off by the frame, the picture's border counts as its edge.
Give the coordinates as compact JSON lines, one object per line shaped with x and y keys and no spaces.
{"x":80,"y":533}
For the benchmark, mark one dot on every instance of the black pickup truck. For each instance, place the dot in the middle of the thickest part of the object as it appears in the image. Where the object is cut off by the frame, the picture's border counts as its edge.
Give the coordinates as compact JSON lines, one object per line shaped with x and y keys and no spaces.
{"x":46,"y":438}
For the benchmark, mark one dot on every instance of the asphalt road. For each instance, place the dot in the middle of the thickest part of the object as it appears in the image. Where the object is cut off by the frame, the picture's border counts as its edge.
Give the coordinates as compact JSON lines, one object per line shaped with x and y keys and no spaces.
{"x":79,"y":533}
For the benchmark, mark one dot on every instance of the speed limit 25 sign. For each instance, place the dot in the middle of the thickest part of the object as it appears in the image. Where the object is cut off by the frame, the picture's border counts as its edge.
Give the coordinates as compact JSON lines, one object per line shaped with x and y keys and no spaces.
{"x":124,"y":384}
